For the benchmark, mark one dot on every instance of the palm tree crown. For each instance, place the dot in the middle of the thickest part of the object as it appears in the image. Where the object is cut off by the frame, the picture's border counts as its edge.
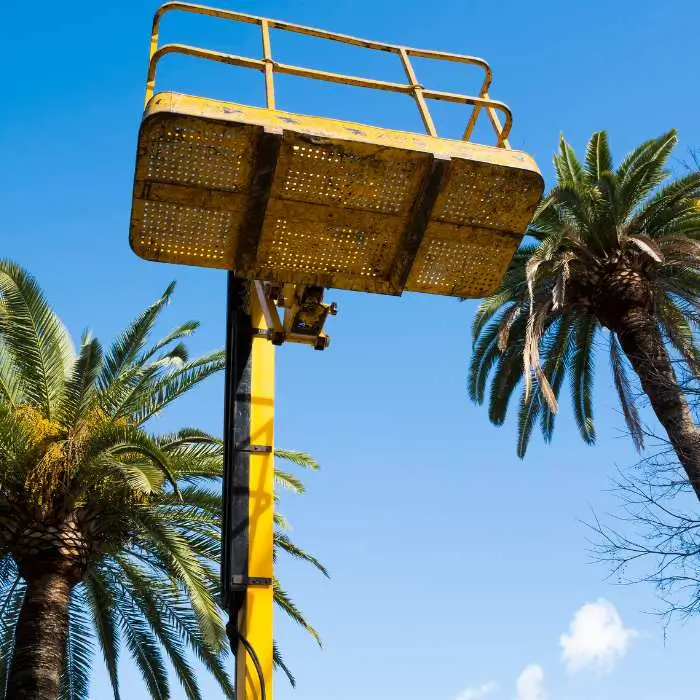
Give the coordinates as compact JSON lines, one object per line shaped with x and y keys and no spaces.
{"x":610,"y":249}
{"x":109,"y":534}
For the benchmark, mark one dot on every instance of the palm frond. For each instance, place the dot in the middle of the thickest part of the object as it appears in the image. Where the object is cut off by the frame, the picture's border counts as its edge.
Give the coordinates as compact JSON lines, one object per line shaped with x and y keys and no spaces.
{"x":35,"y":338}
{"x":143,"y":591}
{"x":557,"y":353}
{"x":129,"y":344}
{"x":181,"y":563}
{"x":678,"y":331}
{"x":647,"y":245}
{"x":624,"y":391}
{"x":509,"y":372}
{"x":284,"y":543}
{"x":490,"y":307}
{"x":286,"y":604}
{"x":101,"y":604}
{"x":567,"y":165}
{"x":301,"y":459}
{"x":113,"y":439}
{"x":11,"y":598}
{"x":182,"y":331}
{"x":673,"y":202}
{"x":75,"y":678}
{"x":582,"y":377}
{"x":644,"y":173}
{"x":10,"y":376}
{"x":168,"y":610}
{"x":530,"y":408}
{"x":153,"y":398}
{"x":79,"y":394}
{"x":278,"y":661}
{"x":144,"y":647}
{"x":485,"y":355}
{"x":289,"y":481}
{"x":598,"y":157}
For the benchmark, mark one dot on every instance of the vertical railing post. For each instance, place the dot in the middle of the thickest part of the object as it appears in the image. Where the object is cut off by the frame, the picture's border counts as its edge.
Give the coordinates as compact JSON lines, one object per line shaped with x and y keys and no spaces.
{"x":493,"y":117}
{"x":151,"y":79}
{"x":497,"y":126}
{"x":269,"y":65}
{"x":417,"y":93}
{"x":476,"y":110}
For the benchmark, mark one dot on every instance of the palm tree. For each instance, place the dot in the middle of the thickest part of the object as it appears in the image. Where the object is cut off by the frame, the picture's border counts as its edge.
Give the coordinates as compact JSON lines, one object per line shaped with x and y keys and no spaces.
{"x":109,"y":534}
{"x":614,"y":250}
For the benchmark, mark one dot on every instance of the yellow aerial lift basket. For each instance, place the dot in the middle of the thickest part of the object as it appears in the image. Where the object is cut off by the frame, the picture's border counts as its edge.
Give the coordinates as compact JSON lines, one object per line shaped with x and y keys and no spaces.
{"x":295,"y":204}
{"x":296,"y":199}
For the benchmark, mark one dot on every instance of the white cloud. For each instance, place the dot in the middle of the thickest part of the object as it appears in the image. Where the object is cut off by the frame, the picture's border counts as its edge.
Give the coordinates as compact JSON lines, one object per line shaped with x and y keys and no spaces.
{"x":478,"y":692}
{"x":597,"y":638}
{"x":530,"y":683}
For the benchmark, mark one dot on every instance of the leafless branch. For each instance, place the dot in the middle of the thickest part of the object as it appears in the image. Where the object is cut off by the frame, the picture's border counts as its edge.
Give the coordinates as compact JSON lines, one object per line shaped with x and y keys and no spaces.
{"x":654,"y":535}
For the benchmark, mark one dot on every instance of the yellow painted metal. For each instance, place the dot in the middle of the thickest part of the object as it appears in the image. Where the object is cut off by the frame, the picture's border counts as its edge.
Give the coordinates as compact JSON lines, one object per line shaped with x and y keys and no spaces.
{"x":269,"y":66}
{"x":418,"y":94}
{"x":295,"y":199}
{"x":342,"y":197}
{"x":256,"y":623}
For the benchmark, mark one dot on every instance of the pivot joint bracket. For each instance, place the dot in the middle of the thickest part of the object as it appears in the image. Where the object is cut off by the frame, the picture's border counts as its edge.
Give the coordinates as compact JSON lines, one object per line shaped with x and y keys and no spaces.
{"x":305,"y":314}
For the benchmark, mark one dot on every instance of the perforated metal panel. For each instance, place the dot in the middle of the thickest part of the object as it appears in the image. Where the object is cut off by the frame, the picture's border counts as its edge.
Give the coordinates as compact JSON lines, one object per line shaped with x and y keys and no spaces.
{"x":193,"y":234}
{"x":331,"y":173}
{"x":206,"y":155}
{"x":287,"y":198}
{"x":476,"y":227}
{"x":462,"y":261}
{"x":350,"y":250}
{"x":481,"y":194}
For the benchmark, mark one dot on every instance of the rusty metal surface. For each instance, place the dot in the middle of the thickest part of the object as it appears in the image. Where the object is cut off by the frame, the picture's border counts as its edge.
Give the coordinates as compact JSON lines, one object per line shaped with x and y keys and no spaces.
{"x":295,"y":199}
{"x":464,"y":261}
{"x":328,"y":202}
{"x":192,"y":106}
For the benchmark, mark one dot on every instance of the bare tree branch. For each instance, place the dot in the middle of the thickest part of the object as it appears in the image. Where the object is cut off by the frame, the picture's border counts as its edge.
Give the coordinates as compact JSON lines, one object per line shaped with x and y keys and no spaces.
{"x":654,"y":535}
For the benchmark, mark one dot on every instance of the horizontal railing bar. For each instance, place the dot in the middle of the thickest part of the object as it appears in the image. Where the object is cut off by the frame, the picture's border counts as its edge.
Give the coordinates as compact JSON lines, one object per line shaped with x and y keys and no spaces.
{"x":268,"y":66}
{"x":356,"y":81}
{"x":456,"y":58}
{"x":491,"y":106}
{"x":287,"y":69}
{"x":220,"y":56}
{"x":324,"y":34}
{"x":203,"y":10}
{"x":208,"y":54}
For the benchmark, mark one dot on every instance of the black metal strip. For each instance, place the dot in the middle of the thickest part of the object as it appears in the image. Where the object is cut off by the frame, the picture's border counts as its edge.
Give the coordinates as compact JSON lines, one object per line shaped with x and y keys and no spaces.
{"x":418,"y":222}
{"x":243,"y":582}
{"x":264,"y":165}
{"x":237,"y":380}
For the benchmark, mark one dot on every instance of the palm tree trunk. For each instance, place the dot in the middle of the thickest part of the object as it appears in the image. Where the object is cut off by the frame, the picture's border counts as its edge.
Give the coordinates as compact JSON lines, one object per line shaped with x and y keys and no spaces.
{"x":40,"y":639}
{"x":640,"y":339}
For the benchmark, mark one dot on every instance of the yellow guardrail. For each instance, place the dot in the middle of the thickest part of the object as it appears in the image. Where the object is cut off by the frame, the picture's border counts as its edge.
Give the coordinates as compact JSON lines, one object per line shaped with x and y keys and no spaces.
{"x":268,"y":66}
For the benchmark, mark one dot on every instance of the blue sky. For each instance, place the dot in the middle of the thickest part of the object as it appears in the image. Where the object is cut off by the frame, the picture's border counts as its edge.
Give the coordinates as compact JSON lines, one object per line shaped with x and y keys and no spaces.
{"x":458,"y":571}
